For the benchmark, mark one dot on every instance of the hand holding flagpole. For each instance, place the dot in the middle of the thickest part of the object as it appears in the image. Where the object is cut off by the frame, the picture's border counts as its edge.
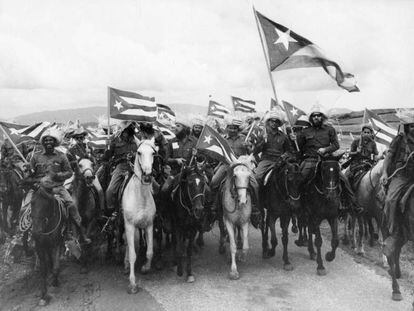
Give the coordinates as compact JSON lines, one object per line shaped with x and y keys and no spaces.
{"x":14,"y":145}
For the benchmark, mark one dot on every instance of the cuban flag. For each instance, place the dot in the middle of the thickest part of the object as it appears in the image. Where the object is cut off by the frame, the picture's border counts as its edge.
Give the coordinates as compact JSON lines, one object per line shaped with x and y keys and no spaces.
{"x":124,"y":105}
{"x":243,"y":105}
{"x":384,"y":134}
{"x":217,"y":110}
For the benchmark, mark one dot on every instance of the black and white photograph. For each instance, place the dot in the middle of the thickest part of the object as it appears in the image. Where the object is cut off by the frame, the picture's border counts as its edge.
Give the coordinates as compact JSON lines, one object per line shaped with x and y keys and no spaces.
{"x":193,"y":155}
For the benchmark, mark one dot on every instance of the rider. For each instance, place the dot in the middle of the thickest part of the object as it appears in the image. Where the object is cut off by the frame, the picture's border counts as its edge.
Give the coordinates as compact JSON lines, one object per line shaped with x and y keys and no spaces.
{"x":51,"y":168}
{"x":398,"y":170}
{"x":363,"y":153}
{"x":320,"y":139}
{"x":121,"y":153}
{"x":9,"y":156}
{"x":79,"y":150}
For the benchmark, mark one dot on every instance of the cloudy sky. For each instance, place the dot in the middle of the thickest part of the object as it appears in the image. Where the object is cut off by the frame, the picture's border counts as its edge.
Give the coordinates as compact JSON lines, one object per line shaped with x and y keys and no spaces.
{"x":63,"y":54}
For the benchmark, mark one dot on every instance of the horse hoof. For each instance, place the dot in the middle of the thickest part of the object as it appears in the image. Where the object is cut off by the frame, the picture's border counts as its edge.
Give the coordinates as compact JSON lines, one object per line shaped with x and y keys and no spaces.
{"x":222,"y":249}
{"x":234,"y":275}
{"x":43,"y":302}
{"x":265,"y":254}
{"x":83,"y":270}
{"x":288,"y":267}
{"x":145,"y":269}
{"x":295,"y":229}
{"x":190,"y":279}
{"x":397,"y":296}
{"x":361,"y":253}
{"x":126,"y":271}
{"x":179,"y":271}
{"x":133,"y":289}
{"x":321,"y":272}
{"x":329,"y":256}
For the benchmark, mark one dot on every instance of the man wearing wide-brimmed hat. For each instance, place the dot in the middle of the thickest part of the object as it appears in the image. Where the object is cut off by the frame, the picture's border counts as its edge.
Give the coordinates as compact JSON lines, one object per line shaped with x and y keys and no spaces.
{"x":198,"y":124}
{"x":398,"y":170}
{"x":52,"y":168}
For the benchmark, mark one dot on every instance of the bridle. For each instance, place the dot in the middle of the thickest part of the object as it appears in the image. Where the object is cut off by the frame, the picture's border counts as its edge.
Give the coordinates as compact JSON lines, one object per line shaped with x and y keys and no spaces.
{"x":329,"y":188}
{"x":145,"y":181}
{"x":293,"y":198}
{"x":190,"y":210}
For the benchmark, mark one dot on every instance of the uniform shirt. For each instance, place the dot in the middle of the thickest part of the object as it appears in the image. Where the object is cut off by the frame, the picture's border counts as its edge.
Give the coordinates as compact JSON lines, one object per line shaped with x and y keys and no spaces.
{"x":312,"y":138}
{"x":237,"y":144}
{"x":276,"y":145}
{"x":368,"y":148}
{"x":179,"y":149}
{"x":56,"y":162}
{"x":119,"y":149}
{"x":400,"y":149}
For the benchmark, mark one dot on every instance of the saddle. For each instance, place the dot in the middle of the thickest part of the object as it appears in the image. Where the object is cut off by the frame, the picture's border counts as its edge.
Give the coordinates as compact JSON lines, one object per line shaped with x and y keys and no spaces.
{"x":359,"y":172}
{"x":122,"y":187}
{"x":269,"y":173}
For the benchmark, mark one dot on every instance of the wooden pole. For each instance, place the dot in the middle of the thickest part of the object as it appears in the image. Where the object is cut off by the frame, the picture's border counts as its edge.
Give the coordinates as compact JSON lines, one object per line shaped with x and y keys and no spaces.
{"x":109,"y":116}
{"x":14,"y":145}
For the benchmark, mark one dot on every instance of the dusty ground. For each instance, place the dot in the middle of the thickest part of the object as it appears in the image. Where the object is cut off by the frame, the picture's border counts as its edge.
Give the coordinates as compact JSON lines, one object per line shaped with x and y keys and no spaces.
{"x":352,"y":283}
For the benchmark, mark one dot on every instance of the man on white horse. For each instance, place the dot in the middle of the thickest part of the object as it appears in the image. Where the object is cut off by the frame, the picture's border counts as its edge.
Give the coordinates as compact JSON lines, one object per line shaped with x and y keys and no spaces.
{"x":51,"y":168}
{"x":80,"y":150}
{"x":121,"y":152}
{"x":398,"y":170}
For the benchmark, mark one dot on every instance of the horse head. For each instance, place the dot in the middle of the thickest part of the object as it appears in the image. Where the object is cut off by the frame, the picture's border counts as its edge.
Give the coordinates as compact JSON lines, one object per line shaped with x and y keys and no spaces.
{"x":144,"y":158}
{"x":194,"y":181}
{"x":240,"y":173}
{"x":329,"y":179}
{"x":292,"y":179}
{"x":86,"y":170}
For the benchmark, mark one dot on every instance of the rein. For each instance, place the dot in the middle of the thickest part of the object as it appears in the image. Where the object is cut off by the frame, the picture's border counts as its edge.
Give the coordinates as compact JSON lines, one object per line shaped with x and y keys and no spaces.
{"x":188,"y":209}
{"x":59,"y":202}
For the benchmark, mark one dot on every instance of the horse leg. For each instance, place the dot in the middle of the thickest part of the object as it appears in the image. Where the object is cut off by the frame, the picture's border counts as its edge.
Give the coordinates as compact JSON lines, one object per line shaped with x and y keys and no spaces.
{"x":245,"y":249}
{"x":234,"y":274}
{"x":190,"y":276}
{"x":56,"y":265}
{"x":44,"y":297}
{"x":284,"y":225}
{"x":320,"y":270}
{"x":294,"y":224}
{"x":273,"y":237}
{"x":158,"y":251}
{"x":371,"y":231}
{"x":354,"y":241}
{"x":239,"y":238}
{"x":222,"y":249}
{"x":397,"y":261}
{"x":200,"y":238}
{"x":179,"y":249}
{"x":360,"y":241}
{"x":333,"y":223}
{"x":265,"y":236}
{"x":149,"y":232}
{"x":311,"y":250}
{"x":130,"y":235}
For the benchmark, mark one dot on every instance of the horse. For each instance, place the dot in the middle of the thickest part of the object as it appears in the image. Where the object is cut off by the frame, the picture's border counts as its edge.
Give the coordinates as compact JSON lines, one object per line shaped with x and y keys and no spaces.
{"x":85,"y":198}
{"x":139,"y":208}
{"x":236,"y":202}
{"x":281,"y":198}
{"x":47,"y":228}
{"x":322,"y":201}
{"x":188,"y":201}
{"x":11,"y":197}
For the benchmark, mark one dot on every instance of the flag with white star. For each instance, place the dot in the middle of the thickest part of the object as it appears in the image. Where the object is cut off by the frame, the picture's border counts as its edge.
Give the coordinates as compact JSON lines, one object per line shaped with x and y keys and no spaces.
{"x":211,"y":143}
{"x":287,"y":50}
{"x":19,"y":133}
{"x":293,"y":113}
{"x":217,"y":110}
{"x":243,"y":105}
{"x":131,"y":106}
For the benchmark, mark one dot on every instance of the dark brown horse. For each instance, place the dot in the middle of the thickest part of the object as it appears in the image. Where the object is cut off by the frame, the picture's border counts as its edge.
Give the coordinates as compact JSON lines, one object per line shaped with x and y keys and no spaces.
{"x":47,"y":226}
{"x":188,"y":206}
{"x":321,"y":200}
{"x":281,"y":198}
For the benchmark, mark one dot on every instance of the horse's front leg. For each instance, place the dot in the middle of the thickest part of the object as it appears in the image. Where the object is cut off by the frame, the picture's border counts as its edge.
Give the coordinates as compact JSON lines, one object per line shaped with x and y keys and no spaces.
{"x":265,"y":237}
{"x":190,"y":277}
{"x":320,"y":270}
{"x":222,"y":249}
{"x":234,"y":274}
{"x":149,"y":232}
{"x":360,"y":241}
{"x":179,"y":249}
{"x":390,"y":252}
{"x":273,"y":237}
{"x":44,"y":297}
{"x":245,"y":248}
{"x":333,"y":223}
{"x":56,"y":265}
{"x":284,"y":224}
{"x":311,"y":250}
{"x":132,"y":256}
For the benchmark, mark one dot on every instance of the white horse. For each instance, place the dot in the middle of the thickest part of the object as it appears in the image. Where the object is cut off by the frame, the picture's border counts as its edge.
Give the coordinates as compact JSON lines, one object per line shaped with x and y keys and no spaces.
{"x":139,"y":208}
{"x":237,"y":208}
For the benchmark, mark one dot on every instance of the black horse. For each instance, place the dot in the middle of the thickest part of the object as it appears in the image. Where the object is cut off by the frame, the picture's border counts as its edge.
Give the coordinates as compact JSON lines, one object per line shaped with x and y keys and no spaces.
{"x":47,"y":229}
{"x":281,"y":198}
{"x":188,"y":213}
{"x":321,"y":200}
{"x":11,"y":196}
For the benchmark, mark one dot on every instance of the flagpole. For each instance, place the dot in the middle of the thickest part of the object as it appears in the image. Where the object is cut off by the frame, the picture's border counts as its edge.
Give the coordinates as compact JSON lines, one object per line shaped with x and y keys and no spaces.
{"x":109,"y":116}
{"x":13,"y":144}
{"x":272,"y":82}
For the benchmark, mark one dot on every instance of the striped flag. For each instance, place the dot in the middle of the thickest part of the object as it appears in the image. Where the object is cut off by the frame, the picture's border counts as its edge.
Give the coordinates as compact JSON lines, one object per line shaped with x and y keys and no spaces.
{"x":243,"y":105}
{"x":288,"y":50}
{"x":273,"y":104}
{"x":165,"y":114}
{"x":168,"y":134}
{"x":217,"y":110}
{"x":19,"y":133}
{"x":215,"y":146}
{"x":293,"y":113}
{"x":96,"y":140}
{"x":384,"y":134}
{"x":131,"y":106}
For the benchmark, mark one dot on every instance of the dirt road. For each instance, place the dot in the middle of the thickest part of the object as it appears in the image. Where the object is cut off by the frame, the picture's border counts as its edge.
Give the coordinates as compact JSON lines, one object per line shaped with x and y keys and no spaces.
{"x":264,"y":285}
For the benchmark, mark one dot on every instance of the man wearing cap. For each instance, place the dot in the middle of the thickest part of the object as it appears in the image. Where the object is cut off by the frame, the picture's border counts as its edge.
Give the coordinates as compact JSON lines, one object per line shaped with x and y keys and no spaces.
{"x":398,"y":170}
{"x":179,"y":151}
{"x":320,"y":139}
{"x":51,"y":168}
{"x":79,"y":150}
{"x":363,"y":153}
{"x":198,"y":125}
{"x":121,"y":153}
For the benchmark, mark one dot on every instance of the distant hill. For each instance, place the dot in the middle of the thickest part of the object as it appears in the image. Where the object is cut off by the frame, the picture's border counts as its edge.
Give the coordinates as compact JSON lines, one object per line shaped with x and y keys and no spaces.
{"x":91,"y":114}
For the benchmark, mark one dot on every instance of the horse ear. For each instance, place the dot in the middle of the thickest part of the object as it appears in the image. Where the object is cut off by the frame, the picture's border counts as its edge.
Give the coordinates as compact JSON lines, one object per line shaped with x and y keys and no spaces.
{"x":137,"y":140}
